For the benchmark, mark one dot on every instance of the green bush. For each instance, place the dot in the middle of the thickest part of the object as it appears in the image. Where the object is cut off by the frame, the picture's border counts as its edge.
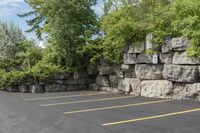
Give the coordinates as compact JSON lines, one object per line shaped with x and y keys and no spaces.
{"x":36,"y":74}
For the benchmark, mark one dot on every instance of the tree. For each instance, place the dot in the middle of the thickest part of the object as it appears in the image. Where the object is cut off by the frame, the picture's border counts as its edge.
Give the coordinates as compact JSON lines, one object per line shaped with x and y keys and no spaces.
{"x":68,"y":24}
{"x":10,"y":38}
{"x":29,"y":54}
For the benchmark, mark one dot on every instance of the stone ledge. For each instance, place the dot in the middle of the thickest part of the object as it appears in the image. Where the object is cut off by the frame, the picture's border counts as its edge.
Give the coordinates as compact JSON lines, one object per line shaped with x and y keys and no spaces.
{"x":156,"y":88}
{"x":145,"y":71}
{"x":180,"y":73}
{"x":130,"y":85}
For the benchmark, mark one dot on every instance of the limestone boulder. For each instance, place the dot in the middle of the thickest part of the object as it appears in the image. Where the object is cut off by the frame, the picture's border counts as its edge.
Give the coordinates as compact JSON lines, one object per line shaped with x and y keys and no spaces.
{"x":23,"y":88}
{"x":180,"y":44}
{"x":166,"y":58}
{"x":80,"y":75}
{"x":130,"y":85}
{"x":105,"y":70}
{"x":182,"y":58}
{"x":129,"y":59}
{"x":129,"y":74}
{"x":114,"y":80}
{"x":55,"y":88}
{"x":144,"y":58}
{"x":149,"y":43}
{"x":180,"y":73}
{"x":118,"y":71}
{"x":136,"y":47}
{"x":36,"y":88}
{"x":147,"y":71}
{"x":92,"y":70}
{"x":12,"y":88}
{"x":103,"y":81}
{"x":186,"y":91}
{"x":94,"y":87}
{"x":167,"y":46}
{"x":156,"y":88}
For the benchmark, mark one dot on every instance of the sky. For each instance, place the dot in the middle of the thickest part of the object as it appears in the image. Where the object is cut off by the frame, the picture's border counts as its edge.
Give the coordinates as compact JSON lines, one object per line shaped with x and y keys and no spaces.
{"x":10,"y":8}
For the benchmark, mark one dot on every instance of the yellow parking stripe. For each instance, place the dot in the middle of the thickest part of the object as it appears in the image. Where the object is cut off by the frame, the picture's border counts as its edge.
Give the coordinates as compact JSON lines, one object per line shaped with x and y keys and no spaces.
{"x":152,"y":117}
{"x":114,"y":107}
{"x":69,"y":96}
{"x":87,"y":101}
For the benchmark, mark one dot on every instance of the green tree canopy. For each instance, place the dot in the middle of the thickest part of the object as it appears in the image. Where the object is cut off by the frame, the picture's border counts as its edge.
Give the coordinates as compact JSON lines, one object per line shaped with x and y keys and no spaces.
{"x":68,"y":24}
{"x":11,"y":37}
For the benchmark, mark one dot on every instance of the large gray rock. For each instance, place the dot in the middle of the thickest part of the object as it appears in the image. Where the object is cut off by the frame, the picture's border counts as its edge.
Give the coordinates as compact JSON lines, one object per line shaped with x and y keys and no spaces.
{"x":149,"y":43}
{"x":167,"y":46}
{"x":114,"y":80}
{"x":105,"y":70}
{"x":103,"y":81}
{"x":180,"y":44}
{"x":156,"y":88}
{"x":77,"y":87}
{"x":36,"y":88}
{"x":12,"y":88}
{"x":136,"y":47}
{"x":128,"y":71}
{"x":129,"y":59}
{"x":23,"y":88}
{"x":117,"y":71}
{"x":145,"y":71}
{"x":129,"y":74}
{"x":182,"y":58}
{"x":80,"y":75}
{"x":92,"y":70}
{"x":180,"y":73}
{"x":130,"y":85}
{"x":94,"y":87}
{"x":186,"y":91}
{"x":109,"y":89}
{"x":144,"y":58}
{"x":166,"y":58}
{"x":55,"y":88}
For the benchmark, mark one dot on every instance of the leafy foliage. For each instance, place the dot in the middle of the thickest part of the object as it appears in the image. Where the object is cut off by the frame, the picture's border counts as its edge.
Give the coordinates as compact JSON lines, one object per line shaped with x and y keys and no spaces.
{"x":124,"y":22}
{"x":10,"y":38}
{"x":69,"y":24}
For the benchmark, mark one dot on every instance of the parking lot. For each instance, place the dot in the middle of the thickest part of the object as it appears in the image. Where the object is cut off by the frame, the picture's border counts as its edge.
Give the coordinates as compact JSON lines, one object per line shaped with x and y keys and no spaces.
{"x":98,"y":112}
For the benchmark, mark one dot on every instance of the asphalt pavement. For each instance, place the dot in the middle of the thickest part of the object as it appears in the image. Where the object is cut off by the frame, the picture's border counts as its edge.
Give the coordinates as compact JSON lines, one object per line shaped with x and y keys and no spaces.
{"x":95,"y":112}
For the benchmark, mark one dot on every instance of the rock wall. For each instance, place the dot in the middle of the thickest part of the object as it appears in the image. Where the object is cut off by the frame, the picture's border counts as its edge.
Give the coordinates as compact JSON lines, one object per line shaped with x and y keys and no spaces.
{"x":169,"y":74}
{"x":59,"y":83}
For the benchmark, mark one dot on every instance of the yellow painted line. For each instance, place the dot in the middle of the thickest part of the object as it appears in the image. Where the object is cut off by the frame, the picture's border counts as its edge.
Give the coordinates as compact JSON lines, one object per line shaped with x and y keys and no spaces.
{"x":152,"y":117}
{"x":69,"y":96}
{"x":114,"y":107}
{"x":87,"y":101}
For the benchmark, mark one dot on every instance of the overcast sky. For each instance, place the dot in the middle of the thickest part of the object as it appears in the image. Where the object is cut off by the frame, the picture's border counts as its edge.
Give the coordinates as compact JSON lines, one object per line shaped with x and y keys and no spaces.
{"x":10,"y":8}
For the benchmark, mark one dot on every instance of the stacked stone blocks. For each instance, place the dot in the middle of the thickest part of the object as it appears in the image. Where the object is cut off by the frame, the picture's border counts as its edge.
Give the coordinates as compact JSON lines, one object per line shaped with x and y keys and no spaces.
{"x":175,"y":75}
